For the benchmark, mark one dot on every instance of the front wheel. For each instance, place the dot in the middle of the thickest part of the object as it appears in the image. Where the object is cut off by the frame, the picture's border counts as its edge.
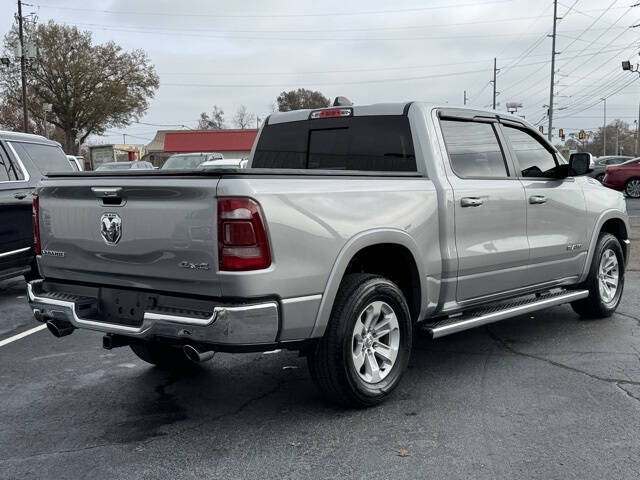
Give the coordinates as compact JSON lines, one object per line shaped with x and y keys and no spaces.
{"x":605,"y":281}
{"x":632,"y":188}
{"x":366,"y":347}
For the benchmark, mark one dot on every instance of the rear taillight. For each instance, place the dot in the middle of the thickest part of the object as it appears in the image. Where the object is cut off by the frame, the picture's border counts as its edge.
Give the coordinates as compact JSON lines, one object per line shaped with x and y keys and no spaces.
{"x":35,"y":214}
{"x":243,"y":243}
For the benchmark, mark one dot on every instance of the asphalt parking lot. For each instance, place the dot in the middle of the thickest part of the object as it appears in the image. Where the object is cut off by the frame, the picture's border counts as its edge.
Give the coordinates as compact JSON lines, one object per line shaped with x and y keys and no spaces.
{"x":542,"y":396}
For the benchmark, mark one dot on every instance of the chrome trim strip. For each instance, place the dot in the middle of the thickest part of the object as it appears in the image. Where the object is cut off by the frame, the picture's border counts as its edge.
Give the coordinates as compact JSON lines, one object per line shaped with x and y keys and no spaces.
{"x":307,"y":298}
{"x":149,"y":318}
{"x":25,"y":172}
{"x":451,"y":328}
{"x":14,"y":252}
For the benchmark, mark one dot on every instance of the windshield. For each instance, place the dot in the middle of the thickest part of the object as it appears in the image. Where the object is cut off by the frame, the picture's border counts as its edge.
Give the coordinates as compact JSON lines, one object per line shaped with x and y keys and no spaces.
{"x":114,"y":166}
{"x":184,"y":162}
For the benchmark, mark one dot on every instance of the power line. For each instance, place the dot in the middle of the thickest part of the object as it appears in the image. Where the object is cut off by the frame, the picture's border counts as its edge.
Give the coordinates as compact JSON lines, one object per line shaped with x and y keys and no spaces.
{"x":281,"y":15}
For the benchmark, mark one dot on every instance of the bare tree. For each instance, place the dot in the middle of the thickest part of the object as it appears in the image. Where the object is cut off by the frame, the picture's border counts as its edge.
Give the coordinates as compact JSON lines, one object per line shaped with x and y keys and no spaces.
{"x":243,"y":118}
{"x":215,"y":121}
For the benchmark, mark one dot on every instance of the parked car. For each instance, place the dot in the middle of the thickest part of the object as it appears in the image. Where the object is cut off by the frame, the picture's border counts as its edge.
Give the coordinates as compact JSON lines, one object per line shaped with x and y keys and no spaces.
{"x":140,"y":165}
{"x":624,"y":177}
{"x":350,"y":226}
{"x":601,"y":163}
{"x":225,"y":163}
{"x":189,"y":161}
{"x":24,"y":159}
{"x":77,"y":163}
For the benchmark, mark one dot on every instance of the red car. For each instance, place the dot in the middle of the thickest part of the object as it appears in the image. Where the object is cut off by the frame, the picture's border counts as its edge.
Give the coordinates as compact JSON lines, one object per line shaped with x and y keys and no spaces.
{"x":624,"y":177}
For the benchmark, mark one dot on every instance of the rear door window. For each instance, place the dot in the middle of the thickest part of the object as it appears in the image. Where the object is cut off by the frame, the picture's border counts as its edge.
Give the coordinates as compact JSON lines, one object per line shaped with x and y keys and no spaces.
{"x":369,"y":143}
{"x":9,"y":171}
{"x":474,"y":150}
{"x":46,"y":158}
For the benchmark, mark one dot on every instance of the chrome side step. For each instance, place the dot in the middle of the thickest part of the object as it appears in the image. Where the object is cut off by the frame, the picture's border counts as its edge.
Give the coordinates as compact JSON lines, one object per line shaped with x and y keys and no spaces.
{"x":502,"y":311}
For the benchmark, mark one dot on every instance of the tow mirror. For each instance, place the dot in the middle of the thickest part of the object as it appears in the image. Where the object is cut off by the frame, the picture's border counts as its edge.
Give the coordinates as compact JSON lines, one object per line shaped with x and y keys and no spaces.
{"x":580,"y":164}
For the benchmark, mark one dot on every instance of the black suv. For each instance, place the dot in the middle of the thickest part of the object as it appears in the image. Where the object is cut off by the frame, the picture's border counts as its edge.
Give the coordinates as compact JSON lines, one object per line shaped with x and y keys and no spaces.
{"x":24,"y":159}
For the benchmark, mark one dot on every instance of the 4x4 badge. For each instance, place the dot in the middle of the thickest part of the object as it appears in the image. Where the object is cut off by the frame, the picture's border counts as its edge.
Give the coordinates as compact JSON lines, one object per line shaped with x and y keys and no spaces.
{"x":111,"y":228}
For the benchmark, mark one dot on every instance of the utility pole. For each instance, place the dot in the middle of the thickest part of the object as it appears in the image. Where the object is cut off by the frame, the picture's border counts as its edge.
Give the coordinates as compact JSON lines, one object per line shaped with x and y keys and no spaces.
{"x":604,"y":128}
{"x":495,"y":75}
{"x":638,"y":134}
{"x":25,"y":114}
{"x":124,"y":138}
{"x":553,"y":68}
{"x":465,"y":97}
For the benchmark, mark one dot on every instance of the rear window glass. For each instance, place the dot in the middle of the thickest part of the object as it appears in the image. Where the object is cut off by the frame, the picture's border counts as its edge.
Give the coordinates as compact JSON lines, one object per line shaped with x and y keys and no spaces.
{"x":371,"y":143}
{"x":473,"y":149}
{"x":46,"y":158}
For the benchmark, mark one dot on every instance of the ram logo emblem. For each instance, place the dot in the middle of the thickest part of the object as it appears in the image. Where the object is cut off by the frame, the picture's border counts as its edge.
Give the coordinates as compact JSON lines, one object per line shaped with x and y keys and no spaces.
{"x":111,"y":228}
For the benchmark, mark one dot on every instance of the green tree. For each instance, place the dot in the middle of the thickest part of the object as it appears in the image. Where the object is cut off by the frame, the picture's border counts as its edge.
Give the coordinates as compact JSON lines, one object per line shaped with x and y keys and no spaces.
{"x":91,"y":87}
{"x":300,"y":99}
{"x":215,"y":121}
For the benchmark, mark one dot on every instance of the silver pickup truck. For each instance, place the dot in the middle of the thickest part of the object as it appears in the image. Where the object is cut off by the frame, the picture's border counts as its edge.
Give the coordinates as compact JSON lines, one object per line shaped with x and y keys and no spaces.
{"x":351,"y":226}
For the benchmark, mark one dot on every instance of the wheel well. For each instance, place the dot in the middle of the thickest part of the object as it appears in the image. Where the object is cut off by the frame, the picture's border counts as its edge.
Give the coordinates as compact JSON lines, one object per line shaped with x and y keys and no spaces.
{"x":617,"y":228}
{"x":394,"y":262}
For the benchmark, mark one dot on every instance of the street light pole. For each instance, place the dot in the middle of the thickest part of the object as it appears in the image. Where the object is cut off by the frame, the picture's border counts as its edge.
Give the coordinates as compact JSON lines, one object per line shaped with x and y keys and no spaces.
{"x":25,"y":113}
{"x":553,"y":68}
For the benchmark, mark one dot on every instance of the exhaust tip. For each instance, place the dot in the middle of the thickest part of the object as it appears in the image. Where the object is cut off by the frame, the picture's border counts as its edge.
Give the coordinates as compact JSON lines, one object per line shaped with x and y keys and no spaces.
{"x":60,"y":329}
{"x":195,"y":355}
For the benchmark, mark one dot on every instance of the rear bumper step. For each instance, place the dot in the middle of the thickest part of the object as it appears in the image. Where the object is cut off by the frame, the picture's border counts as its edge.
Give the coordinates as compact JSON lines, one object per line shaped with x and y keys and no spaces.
{"x":495,"y":313}
{"x":226,"y":324}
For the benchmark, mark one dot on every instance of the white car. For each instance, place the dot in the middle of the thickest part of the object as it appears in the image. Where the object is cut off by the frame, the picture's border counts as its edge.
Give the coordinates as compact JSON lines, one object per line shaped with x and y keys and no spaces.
{"x":77,"y":163}
{"x":189,"y":161}
{"x":225,"y":163}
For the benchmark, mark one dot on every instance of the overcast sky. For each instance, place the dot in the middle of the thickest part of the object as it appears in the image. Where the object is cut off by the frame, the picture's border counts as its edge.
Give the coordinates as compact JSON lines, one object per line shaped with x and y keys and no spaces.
{"x":247,"y":51}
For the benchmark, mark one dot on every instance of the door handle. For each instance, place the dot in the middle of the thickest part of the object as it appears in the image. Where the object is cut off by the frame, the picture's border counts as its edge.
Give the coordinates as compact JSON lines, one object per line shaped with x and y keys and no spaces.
{"x":537,"y":199}
{"x":471,"y":202}
{"x":20,"y":196}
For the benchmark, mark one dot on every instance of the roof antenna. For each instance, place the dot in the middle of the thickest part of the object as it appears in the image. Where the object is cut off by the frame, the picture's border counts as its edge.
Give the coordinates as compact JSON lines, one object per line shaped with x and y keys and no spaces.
{"x":342,"y":102}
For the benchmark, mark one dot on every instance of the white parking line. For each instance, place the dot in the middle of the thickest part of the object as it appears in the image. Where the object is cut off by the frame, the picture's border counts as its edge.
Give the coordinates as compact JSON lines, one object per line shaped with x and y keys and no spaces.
{"x":7,"y":341}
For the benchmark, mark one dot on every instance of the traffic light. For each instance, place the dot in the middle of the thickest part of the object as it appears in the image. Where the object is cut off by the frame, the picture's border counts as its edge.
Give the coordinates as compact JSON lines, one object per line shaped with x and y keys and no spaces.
{"x":581,"y":135}
{"x":541,"y":128}
{"x":561,"y":133}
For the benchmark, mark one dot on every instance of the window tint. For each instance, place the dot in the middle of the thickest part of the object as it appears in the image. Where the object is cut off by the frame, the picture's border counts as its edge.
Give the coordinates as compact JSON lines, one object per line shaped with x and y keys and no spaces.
{"x":6,"y":170}
{"x":10,"y":170}
{"x":370,"y":143}
{"x":534,"y":159}
{"x":46,"y":158}
{"x":473,"y":149}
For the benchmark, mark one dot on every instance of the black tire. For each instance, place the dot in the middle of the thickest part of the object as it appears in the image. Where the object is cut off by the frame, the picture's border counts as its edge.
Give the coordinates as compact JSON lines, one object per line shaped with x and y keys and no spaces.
{"x":594,"y":306}
{"x":331,"y":363}
{"x":163,"y":356}
{"x":629,"y":194}
{"x":600,"y":177}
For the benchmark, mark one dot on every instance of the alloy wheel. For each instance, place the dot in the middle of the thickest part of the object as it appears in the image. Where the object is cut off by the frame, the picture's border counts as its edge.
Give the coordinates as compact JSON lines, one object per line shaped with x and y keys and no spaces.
{"x":633,"y":188}
{"x":375,"y":342}
{"x":608,"y":276}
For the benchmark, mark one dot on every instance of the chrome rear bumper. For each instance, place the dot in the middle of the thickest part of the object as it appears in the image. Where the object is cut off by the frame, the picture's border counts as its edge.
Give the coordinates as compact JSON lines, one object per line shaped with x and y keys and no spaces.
{"x":228,"y":324}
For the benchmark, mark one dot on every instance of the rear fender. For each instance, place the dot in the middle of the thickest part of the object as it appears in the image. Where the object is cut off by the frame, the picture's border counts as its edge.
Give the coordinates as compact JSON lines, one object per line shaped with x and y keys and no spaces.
{"x":352,"y":247}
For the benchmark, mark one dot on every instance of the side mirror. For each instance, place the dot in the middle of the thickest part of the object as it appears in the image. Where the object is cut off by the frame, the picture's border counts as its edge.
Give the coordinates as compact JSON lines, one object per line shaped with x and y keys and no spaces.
{"x":580,"y":164}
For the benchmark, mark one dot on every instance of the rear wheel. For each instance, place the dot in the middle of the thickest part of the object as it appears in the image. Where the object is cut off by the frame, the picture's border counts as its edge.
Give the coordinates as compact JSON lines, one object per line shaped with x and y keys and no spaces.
{"x":367,"y":344}
{"x":605,"y":281}
{"x":161,"y":355}
{"x":632,"y":188}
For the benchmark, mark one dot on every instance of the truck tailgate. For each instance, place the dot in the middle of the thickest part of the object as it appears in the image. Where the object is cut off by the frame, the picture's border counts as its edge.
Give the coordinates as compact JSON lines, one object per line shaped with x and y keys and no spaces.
{"x":149,"y":232}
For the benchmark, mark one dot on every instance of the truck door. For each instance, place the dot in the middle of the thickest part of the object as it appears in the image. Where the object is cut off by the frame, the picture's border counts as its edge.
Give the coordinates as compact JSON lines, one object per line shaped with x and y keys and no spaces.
{"x":556,"y":210}
{"x":16,"y":235}
{"x":490,"y":210}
